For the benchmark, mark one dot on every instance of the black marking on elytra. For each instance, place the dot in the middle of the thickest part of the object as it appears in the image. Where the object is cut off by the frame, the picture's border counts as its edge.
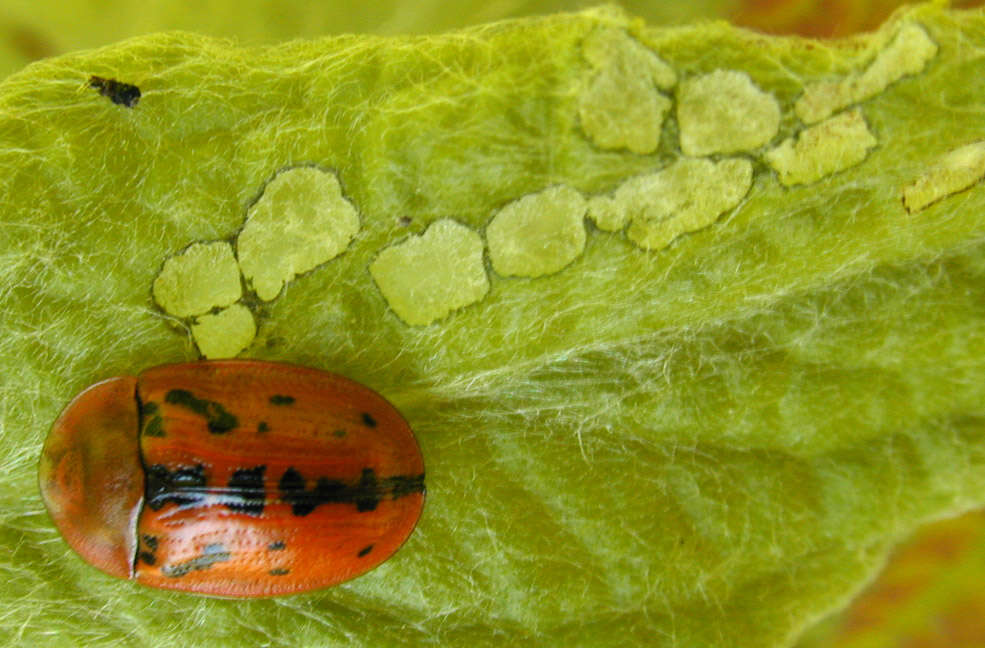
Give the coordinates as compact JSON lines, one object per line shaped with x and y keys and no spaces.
{"x":123,"y":94}
{"x":218,"y":419}
{"x":279,"y":545}
{"x":365,"y":550}
{"x":340,"y":433}
{"x":147,"y":555}
{"x":405,"y":485}
{"x":366,"y":493}
{"x":187,"y":487}
{"x":279,"y":571}
{"x":211,"y":554}
{"x":246,"y":493}
{"x":263,"y":427}
{"x":154,"y":427}
{"x":149,"y":408}
{"x":150,"y":414}
{"x":281,"y":399}
{"x":368,"y":420}
{"x":184,"y":486}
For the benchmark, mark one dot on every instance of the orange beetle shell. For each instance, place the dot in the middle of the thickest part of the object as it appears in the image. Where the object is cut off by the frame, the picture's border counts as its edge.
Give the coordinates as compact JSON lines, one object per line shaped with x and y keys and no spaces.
{"x":235,"y":478}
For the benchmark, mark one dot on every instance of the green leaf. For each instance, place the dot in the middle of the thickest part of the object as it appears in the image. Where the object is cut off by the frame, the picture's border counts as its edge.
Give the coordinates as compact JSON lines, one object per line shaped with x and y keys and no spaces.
{"x":704,"y":425}
{"x":32,"y":29}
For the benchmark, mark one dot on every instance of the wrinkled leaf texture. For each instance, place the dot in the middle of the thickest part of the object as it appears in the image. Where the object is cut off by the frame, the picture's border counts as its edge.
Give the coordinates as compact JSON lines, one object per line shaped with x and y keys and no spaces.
{"x":708,"y":445}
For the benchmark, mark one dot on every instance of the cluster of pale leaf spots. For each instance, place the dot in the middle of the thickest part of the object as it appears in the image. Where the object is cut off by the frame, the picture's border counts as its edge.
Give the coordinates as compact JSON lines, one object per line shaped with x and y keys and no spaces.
{"x":837,"y":141}
{"x":724,"y":120}
{"x":622,"y":105}
{"x":300,"y":222}
{"x":907,"y":54}
{"x":845,"y":138}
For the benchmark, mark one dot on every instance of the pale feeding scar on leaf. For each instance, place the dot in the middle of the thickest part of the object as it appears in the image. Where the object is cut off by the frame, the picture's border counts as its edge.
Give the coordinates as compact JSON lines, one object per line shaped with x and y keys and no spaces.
{"x":424,"y":278}
{"x":690,"y":194}
{"x":725,"y":112}
{"x":620,"y":104}
{"x":226,"y":333}
{"x":836,"y":144}
{"x":300,"y":221}
{"x":201,"y":277}
{"x":907,"y":54}
{"x":955,"y":171}
{"x":538,"y":234}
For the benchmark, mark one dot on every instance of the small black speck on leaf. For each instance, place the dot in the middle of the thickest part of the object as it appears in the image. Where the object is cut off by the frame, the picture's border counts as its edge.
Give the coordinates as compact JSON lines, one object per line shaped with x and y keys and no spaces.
{"x":120,"y":93}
